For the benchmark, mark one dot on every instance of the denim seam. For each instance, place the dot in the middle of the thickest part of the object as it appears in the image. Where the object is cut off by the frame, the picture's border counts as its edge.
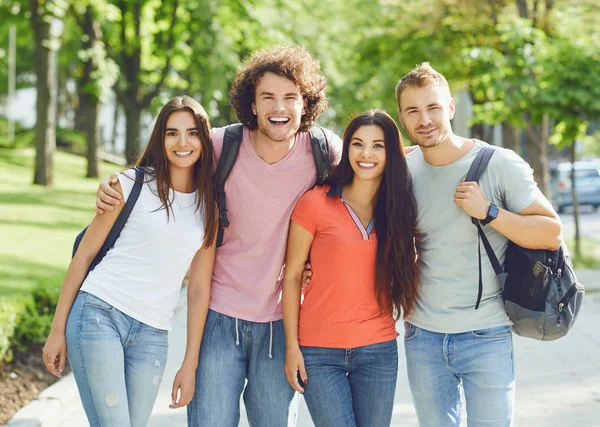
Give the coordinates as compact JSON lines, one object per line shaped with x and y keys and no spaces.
{"x":80,"y":349}
{"x":491,"y":337}
{"x":413,"y":336}
{"x":91,"y":304}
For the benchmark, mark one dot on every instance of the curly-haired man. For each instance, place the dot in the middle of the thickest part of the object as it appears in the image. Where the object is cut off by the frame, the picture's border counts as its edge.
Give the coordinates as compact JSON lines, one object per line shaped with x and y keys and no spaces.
{"x":277,"y":95}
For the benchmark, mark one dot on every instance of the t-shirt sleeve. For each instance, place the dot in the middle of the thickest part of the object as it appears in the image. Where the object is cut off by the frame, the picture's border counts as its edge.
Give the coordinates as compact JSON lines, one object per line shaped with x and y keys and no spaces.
{"x":335,"y":147}
{"x":306,"y":211}
{"x":127,"y":180}
{"x":518,"y":186}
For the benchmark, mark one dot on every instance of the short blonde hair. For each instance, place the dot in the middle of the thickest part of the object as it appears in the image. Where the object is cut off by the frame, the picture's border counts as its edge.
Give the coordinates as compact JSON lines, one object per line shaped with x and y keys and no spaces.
{"x":420,"y":76}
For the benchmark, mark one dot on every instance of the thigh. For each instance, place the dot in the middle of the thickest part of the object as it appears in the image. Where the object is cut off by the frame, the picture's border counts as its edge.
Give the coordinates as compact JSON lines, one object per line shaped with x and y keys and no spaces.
{"x":488,"y":377}
{"x":269,"y":398}
{"x":220,"y":376}
{"x":434,"y":384}
{"x":145,"y":360}
{"x":327,"y":394}
{"x":96,"y":357}
{"x":373,"y":374}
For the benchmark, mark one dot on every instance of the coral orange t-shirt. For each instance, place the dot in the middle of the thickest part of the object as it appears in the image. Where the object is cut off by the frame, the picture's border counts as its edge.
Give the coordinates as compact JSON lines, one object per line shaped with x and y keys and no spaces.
{"x":340,"y":309}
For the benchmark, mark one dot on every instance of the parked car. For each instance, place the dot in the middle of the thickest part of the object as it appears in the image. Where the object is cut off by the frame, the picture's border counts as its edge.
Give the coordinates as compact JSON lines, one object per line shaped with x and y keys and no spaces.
{"x":587,"y":184}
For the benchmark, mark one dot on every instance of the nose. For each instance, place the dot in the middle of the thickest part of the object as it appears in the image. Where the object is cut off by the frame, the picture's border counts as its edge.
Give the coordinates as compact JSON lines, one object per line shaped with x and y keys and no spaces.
{"x":424,"y":118}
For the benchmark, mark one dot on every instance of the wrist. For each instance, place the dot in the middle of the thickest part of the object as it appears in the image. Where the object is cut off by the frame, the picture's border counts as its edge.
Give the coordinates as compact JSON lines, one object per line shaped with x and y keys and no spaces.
{"x":190,"y":363}
{"x":492,"y":214}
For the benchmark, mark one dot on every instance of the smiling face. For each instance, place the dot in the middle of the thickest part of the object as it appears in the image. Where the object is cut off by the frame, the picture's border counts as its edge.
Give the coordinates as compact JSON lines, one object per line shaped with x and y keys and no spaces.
{"x":182,"y":140}
{"x":366,"y":152}
{"x":278,"y":107}
{"x":425,"y":113}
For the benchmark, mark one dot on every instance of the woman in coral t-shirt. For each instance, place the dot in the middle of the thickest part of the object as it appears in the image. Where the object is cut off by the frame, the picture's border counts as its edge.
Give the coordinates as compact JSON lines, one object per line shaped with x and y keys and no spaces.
{"x":359,"y":234}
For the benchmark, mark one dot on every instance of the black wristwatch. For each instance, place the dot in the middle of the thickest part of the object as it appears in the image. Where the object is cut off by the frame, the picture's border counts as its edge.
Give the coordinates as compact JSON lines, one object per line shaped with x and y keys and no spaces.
{"x":492,"y":214}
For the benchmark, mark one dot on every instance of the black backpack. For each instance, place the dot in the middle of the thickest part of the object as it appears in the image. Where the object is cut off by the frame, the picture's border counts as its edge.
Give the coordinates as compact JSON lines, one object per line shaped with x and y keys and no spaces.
{"x":115,"y":231}
{"x":542,"y":296}
{"x":232,"y":140}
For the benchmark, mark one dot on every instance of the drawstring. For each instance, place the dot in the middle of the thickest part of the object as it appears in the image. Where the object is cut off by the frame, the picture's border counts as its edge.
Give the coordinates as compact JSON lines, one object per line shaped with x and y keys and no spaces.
{"x":237,"y":337}
{"x":271,"y":341}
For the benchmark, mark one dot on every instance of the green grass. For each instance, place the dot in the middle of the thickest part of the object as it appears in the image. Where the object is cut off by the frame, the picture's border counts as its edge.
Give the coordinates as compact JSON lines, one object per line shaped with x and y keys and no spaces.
{"x":38,"y":224}
{"x":590,"y":254}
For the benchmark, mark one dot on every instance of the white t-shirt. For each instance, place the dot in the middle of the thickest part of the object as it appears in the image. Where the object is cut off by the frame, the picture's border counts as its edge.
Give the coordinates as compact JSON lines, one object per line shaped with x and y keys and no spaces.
{"x":142,"y":274}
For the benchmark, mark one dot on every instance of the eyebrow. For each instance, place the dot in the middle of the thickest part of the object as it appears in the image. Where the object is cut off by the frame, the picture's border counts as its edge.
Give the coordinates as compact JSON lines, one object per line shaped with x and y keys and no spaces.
{"x":375,"y":140}
{"x":272,"y":94}
{"x":411,"y":107}
{"x":169,"y":129}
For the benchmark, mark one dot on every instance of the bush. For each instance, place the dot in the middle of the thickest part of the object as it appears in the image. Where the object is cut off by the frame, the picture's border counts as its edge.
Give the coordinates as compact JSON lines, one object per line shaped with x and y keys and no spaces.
{"x":34,"y":325}
{"x":71,"y":140}
{"x":12,"y":311}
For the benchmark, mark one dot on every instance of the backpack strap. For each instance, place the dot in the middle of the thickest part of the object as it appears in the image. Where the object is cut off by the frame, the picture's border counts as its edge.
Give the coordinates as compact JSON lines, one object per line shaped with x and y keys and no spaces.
{"x":232,"y":140}
{"x":320,"y":149}
{"x":114,"y":233}
{"x":475,"y":172}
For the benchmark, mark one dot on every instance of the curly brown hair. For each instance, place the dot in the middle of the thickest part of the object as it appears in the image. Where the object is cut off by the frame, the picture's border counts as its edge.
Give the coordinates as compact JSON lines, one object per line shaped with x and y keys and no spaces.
{"x":293,"y":62}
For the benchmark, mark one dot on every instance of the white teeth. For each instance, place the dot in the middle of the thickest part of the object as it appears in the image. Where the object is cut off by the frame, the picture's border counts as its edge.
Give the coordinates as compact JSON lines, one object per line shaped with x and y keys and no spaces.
{"x":279,"y":119}
{"x":366,"y":165}
{"x":183,"y":153}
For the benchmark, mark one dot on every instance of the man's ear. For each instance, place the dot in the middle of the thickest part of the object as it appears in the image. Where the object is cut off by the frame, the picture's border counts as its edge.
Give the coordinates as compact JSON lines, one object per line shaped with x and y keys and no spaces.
{"x":305,"y":102}
{"x":253,"y":109}
{"x":452,"y":108}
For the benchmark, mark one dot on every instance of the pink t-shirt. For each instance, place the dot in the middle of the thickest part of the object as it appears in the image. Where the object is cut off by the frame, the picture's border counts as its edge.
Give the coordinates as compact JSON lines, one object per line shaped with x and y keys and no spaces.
{"x":260,"y":199}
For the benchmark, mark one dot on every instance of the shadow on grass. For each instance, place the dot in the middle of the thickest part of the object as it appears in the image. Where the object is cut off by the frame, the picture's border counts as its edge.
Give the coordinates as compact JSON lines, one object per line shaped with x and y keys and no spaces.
{"x":16,"y":158}
{"x":54,"y":198}
{"x":62,"y":225}
{"x":20,"y":276}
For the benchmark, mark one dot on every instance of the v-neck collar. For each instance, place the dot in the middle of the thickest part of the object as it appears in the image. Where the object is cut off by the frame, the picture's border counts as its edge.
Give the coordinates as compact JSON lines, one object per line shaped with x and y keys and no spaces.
{"x":254,"y":154}
{"x":336,"y":191}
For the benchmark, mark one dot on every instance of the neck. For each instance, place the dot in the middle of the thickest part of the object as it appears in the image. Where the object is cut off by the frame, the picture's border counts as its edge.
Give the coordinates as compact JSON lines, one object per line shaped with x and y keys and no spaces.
{"x":448,"y":151}
{"x":270,"y":151}
{"x":182,"y":180}
{"x":362,"y":191}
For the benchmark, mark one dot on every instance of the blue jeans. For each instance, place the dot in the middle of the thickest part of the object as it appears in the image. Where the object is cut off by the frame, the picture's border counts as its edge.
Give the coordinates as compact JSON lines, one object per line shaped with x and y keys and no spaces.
{"x":232,"y":352}
{"x":351,"y":387}
{"x":479,"y":361}
{"x":117,"y":361}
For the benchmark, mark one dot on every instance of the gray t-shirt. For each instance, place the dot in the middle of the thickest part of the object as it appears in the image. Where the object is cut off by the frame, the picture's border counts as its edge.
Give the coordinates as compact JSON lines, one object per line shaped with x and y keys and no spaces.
{"x":449,"y":268}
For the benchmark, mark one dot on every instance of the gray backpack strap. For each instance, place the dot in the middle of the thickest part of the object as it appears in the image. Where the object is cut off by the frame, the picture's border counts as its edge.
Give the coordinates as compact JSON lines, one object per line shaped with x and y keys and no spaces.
{"x":232,"y":140}
{"x":475,"y":172}
{"x":320,"y":149}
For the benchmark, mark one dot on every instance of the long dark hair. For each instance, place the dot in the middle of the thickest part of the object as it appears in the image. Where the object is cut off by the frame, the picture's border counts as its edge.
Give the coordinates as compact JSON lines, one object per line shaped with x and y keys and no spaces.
{"x":395,"y":213}
{"x":154,"y":162}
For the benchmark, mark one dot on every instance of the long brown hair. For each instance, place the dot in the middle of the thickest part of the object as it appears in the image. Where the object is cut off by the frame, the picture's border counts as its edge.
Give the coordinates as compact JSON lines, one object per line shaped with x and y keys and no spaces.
{"x":395,"y":213}
{"x":292,"y":62}
{"x":155,"y":164}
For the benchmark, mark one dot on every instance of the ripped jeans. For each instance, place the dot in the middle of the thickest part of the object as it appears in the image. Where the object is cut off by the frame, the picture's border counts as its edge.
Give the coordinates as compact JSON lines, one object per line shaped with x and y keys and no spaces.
{"x":118,"y":362}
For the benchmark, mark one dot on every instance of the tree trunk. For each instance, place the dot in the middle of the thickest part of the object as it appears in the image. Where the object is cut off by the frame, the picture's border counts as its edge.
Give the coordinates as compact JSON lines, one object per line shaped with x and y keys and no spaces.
{"x":89,"y":104}
{"x":575,"y":203}
{"x":511,"y":137}
{"x":537,"y":156}
{"x":133,"y":116}
{"x":45,"y":126}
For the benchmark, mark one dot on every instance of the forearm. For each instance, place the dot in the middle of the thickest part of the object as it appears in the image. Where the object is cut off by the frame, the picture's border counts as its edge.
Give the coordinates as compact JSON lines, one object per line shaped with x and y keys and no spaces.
{"x":529,"y":231}
{"x":292,"y":287}
{"x":197,"y":309}
{"x":73,"y":279}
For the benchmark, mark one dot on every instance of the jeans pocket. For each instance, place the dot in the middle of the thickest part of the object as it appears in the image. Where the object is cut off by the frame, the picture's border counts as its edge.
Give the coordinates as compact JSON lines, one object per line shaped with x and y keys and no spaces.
{"x":493,"y":333}
{"x":410,"y":331}
{"x":94,"y":301}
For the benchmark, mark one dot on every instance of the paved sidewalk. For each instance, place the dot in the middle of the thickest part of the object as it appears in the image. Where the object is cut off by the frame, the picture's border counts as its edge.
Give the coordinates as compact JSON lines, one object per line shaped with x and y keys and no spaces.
{"x":558,"y":383}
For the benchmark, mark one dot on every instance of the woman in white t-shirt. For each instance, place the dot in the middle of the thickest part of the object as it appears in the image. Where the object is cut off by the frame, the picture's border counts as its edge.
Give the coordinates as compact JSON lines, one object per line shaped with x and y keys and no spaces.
{"x":113,"y":322}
